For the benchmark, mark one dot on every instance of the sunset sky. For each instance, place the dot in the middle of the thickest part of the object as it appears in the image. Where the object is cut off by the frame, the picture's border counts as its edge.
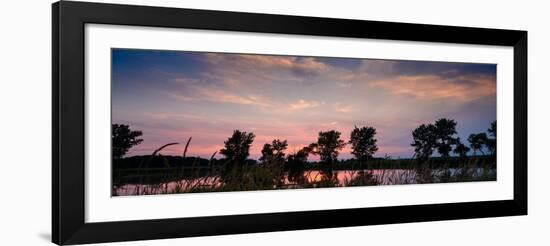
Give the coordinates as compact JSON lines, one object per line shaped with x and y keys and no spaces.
{"x":172,"y":95}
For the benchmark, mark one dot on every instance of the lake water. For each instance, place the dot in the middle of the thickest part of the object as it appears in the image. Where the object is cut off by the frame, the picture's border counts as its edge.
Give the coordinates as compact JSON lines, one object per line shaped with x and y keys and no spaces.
{"x":341,"y":179}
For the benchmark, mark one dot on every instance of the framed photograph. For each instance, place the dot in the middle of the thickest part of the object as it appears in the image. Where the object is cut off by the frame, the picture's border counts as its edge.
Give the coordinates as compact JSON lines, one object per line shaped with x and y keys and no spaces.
{"x":175,"y":122}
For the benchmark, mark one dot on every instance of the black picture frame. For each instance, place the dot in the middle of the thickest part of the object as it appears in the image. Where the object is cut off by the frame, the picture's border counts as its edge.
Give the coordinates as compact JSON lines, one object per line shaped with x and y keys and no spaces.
{"x":68,"y":172}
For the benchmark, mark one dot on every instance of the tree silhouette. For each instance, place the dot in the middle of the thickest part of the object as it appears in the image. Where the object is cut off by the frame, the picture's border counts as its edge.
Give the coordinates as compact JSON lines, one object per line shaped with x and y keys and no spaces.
{"x":477,"y":141}
{"x":492,"y":142}
{"x":122,"y":139}
{"x":274,"y":151}
{"x":445,"y":130}
{"x":363,"y":142}
{"x":328,"y":146}
{"x":440,"y":136}
{"x":461,"y":149}
{"x":267,"y":153}
{"x":303,"y":153}
{"x":493,"y":129}
{"x":237,"y":147}
{"x":424,"y":141}
{"x":295,"y":164}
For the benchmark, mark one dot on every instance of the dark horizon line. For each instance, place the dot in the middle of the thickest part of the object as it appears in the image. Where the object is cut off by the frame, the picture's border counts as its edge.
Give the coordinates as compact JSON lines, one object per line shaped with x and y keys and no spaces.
{"x":374,"y":157}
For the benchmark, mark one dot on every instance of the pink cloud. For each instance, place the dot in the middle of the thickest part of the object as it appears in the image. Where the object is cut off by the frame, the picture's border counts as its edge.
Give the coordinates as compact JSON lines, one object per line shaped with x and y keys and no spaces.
{"x":219,"y":95}
{"x":343,"y":108}
{"x":224,"y":96}
{"x":428,"y":87}
{"x":303,"y":104}
{"x":300,"y":65}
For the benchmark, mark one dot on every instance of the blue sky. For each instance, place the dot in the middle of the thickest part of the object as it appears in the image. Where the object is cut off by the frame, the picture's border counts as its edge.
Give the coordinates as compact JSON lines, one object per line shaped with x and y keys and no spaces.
{"x":172,"y":95}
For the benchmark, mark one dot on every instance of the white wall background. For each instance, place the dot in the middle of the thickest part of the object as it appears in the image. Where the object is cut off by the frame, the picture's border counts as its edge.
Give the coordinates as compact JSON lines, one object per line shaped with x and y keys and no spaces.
{"x":25,"y":102}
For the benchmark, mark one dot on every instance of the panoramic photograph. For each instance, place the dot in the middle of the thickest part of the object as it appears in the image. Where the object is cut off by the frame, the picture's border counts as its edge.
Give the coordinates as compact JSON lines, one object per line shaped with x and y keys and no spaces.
{"x":192,"y":122}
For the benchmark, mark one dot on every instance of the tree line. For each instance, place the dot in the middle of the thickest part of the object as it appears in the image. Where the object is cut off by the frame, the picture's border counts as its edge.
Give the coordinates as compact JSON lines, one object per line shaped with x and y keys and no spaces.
{"x":438,"y":137}
{"x":328,"y":146}
{"x":441,"y":137}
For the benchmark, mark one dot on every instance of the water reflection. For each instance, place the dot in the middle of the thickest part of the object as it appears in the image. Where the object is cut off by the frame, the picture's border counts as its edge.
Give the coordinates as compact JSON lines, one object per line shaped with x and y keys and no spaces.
{"x":312,"y":178}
